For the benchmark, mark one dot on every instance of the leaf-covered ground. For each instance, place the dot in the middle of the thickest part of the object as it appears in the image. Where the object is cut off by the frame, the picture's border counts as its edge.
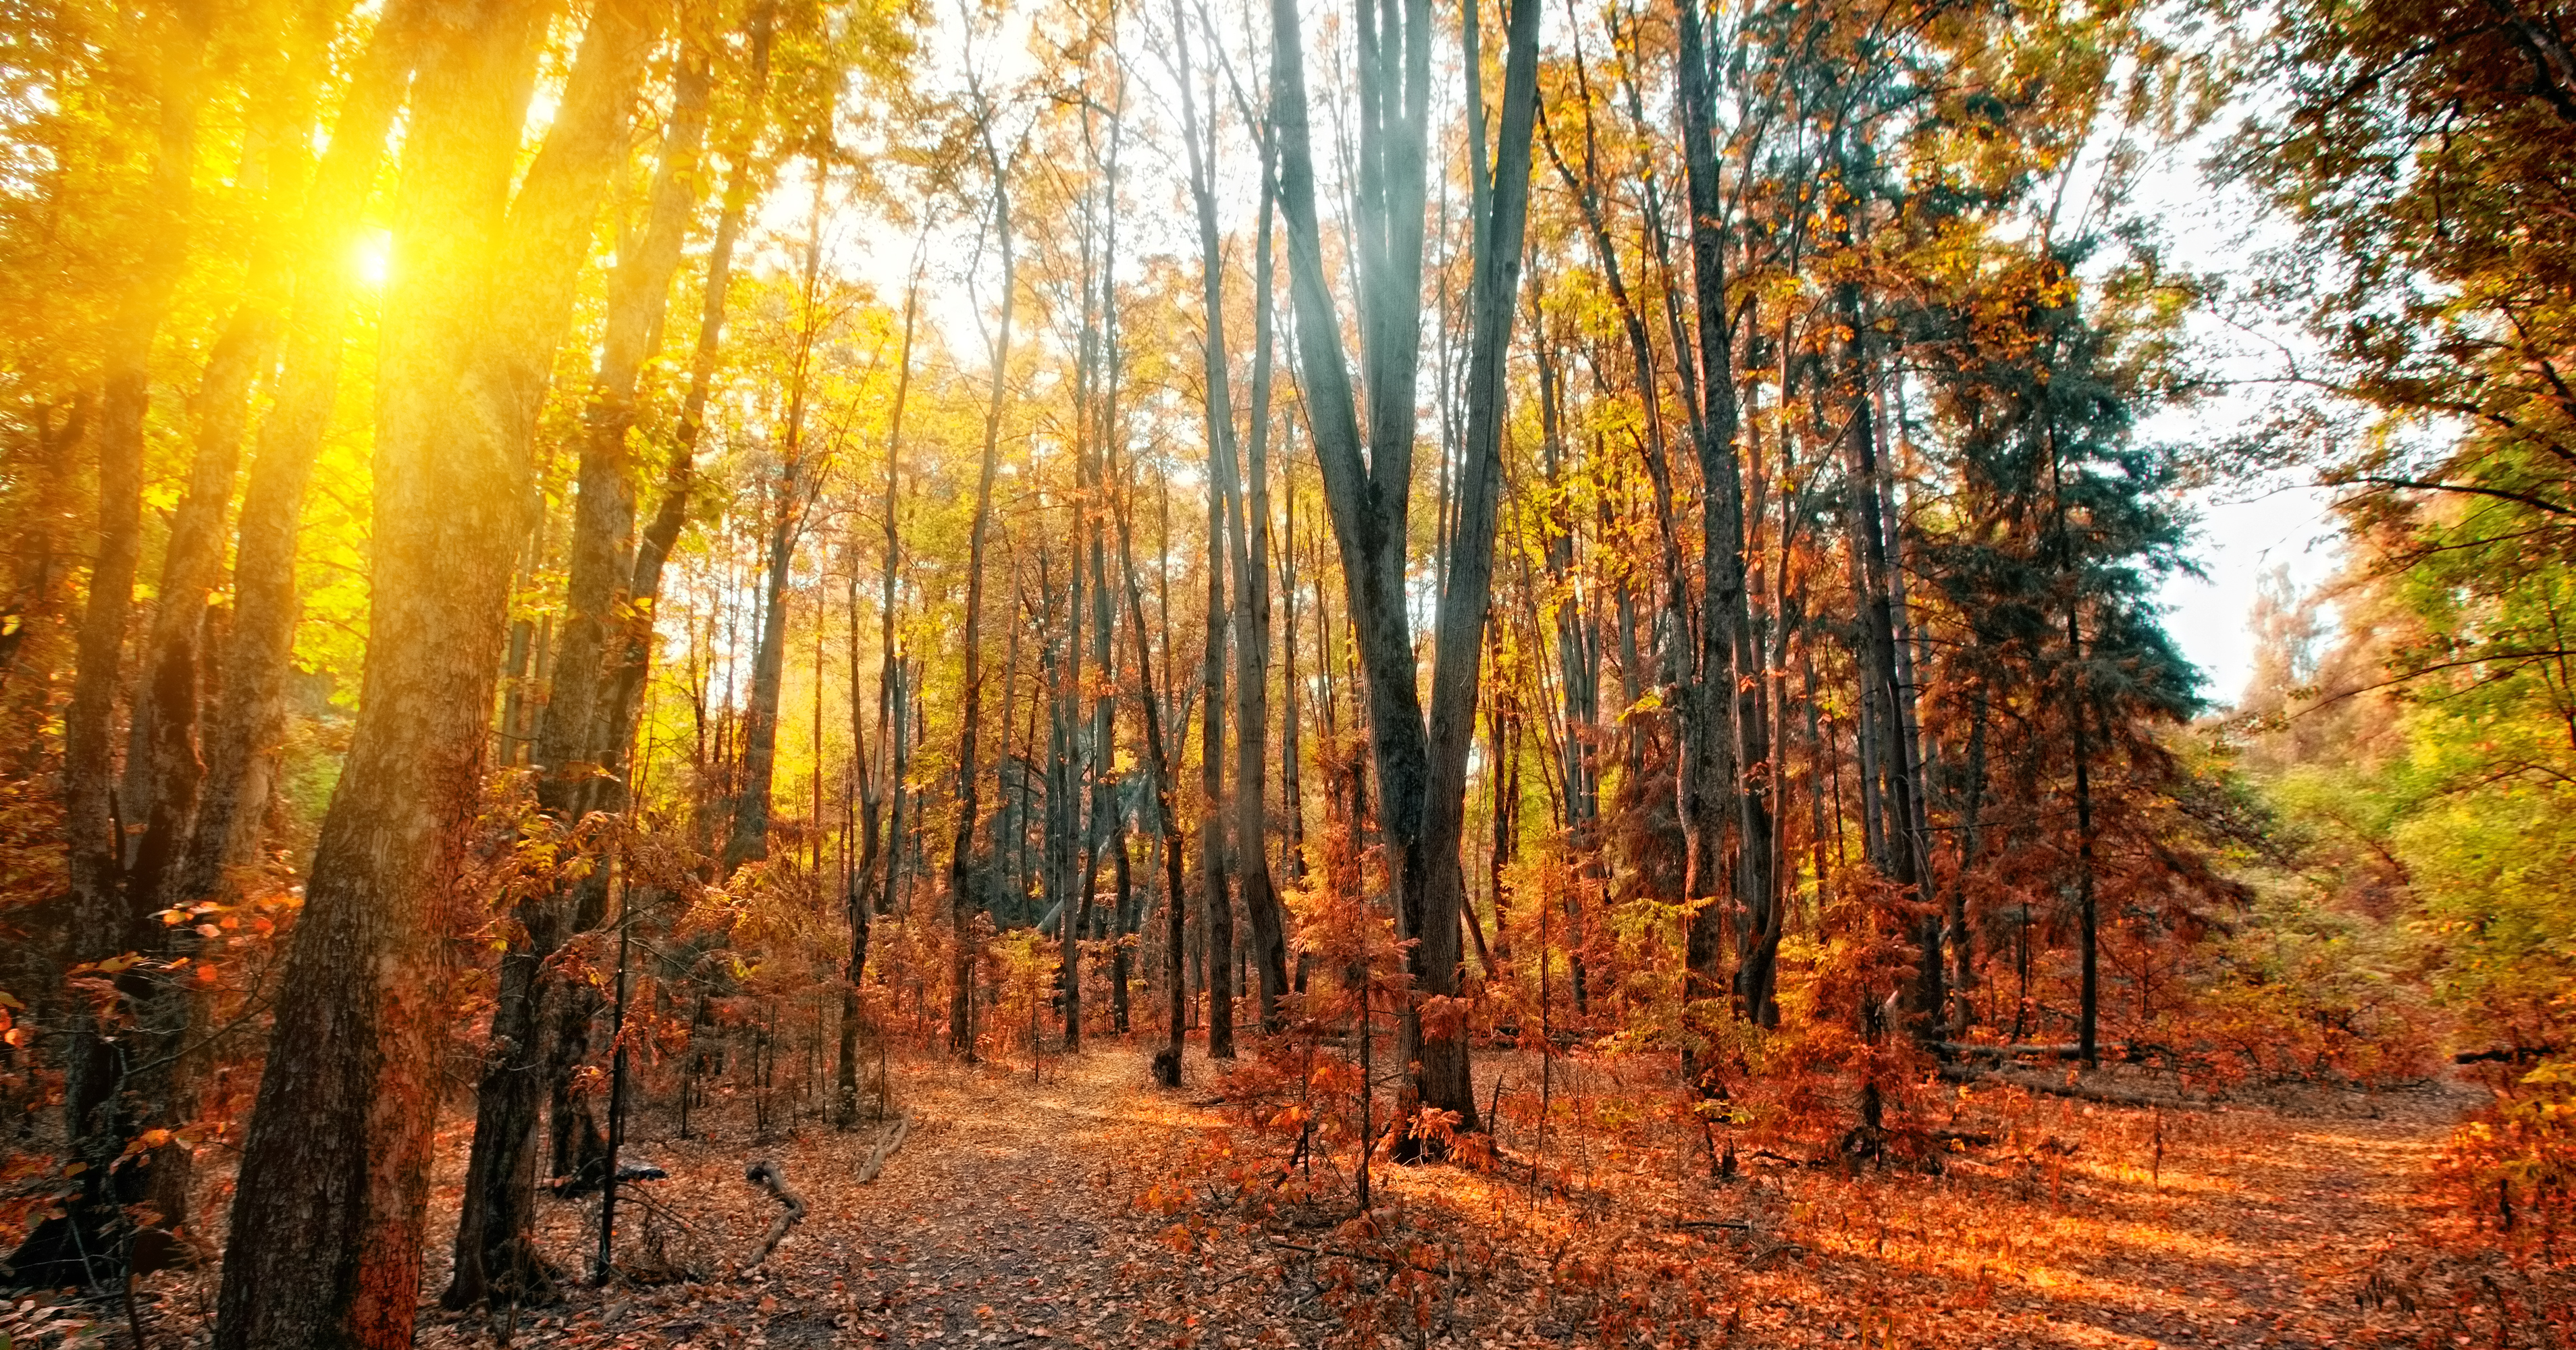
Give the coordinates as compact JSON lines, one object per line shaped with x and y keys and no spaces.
{"x":1089,"y":1209}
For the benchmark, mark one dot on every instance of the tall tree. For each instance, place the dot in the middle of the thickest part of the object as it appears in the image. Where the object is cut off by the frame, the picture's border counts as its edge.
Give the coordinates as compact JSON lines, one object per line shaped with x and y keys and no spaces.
{"x":326,"y":1236}
{"x":97,"y":858}
{"x":962,"y":871}
{"x":494,"y":1256}
{"x":1421,"y":769}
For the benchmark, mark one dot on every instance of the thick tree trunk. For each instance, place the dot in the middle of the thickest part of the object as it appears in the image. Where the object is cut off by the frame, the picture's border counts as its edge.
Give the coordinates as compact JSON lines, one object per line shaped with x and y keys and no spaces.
{"x":1421,"y":769}
{"x":241,"y":726}
{"x":1216,"y":903}
{"x":325,"y":1246}
{"x":1367,"y":496}
{"x":1727,"y":734}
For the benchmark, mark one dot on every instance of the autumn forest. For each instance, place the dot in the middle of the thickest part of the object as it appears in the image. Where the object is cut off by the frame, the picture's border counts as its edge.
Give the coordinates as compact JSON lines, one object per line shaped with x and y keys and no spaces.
{"x":1368,"y":672}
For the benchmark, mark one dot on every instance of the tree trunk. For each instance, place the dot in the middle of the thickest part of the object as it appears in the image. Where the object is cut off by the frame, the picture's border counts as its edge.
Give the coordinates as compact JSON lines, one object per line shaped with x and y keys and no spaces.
{"x":1216,"y":907}
{"x":1105,"y":823}
{"x":96,"y":826}
{"x":791,"y":494}
{"x":1727,"y":735}
{"x":494,"y":1254}
{"x":1249,"y":528}
{"x":1421,"y":770}
{"x":325,"y":1246}
{"x":874,"y":781}
{"x":961,"y":859}
{"x":1158,"y":763}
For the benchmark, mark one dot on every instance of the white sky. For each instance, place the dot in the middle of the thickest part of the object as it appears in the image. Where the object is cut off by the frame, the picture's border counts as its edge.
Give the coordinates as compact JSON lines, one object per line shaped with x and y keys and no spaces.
{"x":2244,"y":528}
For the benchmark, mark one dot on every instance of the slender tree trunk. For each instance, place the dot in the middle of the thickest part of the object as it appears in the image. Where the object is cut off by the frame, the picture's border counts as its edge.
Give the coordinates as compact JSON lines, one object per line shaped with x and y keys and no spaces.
{"x":96,"y":824}
{"x":1216,"y":907}
{"x":2088,"y":919}
{"x":875,"y":781}
{"x":495,"y":1257}
{"x":1158,"y":762}
{"x":1105,"y":824}
{"x":1249,"y":529}
{"x":961,"y":861}
{"x":791,"y":494}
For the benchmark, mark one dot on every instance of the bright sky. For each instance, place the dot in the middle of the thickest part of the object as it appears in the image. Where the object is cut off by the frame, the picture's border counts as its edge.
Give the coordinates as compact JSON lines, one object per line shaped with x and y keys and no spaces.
{"x":2244,"y":529}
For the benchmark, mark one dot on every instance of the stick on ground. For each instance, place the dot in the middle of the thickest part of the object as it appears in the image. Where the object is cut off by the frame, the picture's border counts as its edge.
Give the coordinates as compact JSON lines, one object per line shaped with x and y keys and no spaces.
{"x":766,"y":1175}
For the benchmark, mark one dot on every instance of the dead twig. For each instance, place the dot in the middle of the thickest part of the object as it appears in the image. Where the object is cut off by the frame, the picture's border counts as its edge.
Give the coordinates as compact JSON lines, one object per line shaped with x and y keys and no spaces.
{"x":1349,"y":1255}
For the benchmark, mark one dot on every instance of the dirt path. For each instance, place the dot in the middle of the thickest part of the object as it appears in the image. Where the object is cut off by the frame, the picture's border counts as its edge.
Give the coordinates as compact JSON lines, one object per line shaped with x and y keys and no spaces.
{"x":2257,"y":1229}
{"x":1002,"y":1220}
{"x":1009,"y":1218}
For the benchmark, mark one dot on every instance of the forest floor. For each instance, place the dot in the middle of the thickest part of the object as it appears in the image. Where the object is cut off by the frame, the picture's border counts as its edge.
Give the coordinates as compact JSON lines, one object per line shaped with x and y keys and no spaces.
{"x":1089,"y":1209}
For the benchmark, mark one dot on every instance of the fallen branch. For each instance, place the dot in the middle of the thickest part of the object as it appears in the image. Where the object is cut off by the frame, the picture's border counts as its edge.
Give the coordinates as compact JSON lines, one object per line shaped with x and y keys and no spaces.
{"x":765,"y":1174}
{"x":885,"y":1148}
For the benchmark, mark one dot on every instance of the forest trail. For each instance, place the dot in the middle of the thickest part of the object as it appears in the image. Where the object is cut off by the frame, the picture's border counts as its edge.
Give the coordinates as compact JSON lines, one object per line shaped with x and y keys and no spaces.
{"x":1002,"y":1220}
{"x":1009,"y":1218}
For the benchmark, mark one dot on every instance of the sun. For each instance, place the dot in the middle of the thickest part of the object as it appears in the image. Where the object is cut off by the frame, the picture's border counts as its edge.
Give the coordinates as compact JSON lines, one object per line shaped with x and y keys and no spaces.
{"x":371,"y":257}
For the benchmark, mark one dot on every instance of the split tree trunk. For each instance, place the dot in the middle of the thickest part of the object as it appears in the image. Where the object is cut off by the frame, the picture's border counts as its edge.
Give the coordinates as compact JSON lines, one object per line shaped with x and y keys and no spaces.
{"x":494,"y":1257}
{"x":326,"y":1238}
{"x":1421,"y":768}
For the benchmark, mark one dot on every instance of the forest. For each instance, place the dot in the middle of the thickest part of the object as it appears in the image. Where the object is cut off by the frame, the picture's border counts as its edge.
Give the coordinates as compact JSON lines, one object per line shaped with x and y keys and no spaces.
{"x":1287,"y":672}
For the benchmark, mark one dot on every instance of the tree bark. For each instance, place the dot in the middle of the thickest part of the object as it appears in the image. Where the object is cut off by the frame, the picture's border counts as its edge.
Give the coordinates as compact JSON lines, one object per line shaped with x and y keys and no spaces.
{"x":1249,"y":529}
{"x":961,"y":858}
{"x":326,"y":1237}
{"x":1216,"y":905}
{"x":790,"y":495}
{"x":494,"y":1257}
{"x":97,"y":829}
{"x":876,"y":782}
{"x":1421,"y":769}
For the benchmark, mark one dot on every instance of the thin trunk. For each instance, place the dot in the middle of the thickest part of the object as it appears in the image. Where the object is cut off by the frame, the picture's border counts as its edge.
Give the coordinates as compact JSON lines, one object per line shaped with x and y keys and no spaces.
{"x":101,"y":901}
{"x":877,"y":781}
{"x":961,"y":862}
{"x":790,"y":495}
{"x":1158,"y":762}
{"x":1249,"y":529}
{"x":1216,"y":906}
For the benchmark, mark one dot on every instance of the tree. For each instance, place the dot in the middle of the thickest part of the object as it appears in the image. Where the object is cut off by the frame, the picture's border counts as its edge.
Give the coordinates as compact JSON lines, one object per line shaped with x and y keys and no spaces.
{"x":1421,"y":769}
{"x":326,"y":1228}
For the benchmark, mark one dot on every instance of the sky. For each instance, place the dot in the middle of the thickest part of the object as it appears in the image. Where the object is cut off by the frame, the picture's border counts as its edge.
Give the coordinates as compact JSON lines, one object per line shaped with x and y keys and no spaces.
{"x":2244,"y":529}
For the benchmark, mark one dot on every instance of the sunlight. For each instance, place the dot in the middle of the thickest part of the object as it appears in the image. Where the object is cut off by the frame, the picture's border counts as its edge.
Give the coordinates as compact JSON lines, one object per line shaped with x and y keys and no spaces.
{"x":371,"y":257}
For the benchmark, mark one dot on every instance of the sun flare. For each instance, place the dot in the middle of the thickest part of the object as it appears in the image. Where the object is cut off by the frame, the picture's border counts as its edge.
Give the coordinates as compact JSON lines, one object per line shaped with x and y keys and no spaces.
{"x":371,"y":258}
